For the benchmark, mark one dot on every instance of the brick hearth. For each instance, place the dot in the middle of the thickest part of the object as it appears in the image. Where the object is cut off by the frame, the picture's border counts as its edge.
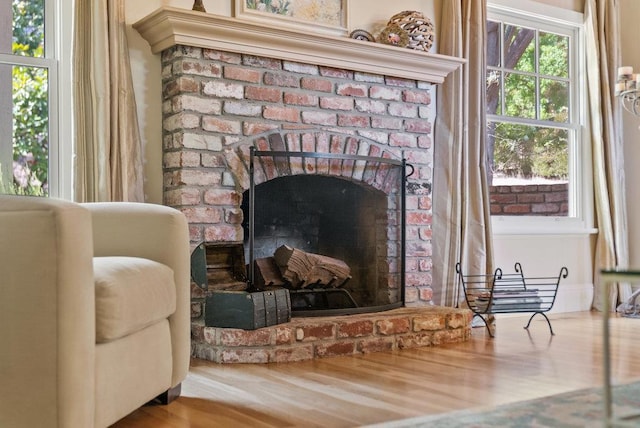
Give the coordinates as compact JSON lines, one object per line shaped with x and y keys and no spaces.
{"x":309,"y":338}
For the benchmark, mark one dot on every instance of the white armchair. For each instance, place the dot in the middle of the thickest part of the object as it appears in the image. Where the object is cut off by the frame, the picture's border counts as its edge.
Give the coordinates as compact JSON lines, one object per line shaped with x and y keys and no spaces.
{"x":94,"y":310}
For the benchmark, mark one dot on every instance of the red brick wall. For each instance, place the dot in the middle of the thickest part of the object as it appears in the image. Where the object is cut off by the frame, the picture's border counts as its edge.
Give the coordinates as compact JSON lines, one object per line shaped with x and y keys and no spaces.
{"x":532,"y":199}
{"x":217,"y":104}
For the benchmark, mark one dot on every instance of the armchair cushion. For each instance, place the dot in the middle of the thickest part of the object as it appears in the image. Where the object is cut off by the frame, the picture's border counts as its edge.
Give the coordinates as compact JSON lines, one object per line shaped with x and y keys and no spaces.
{"x":131,"y":294}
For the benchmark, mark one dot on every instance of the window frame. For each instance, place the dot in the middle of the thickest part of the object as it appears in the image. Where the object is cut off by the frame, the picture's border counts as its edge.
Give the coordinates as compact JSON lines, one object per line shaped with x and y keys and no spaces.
{"x":63,"y":162}
{"x":57,"y":60}
{"x":555,"y":20}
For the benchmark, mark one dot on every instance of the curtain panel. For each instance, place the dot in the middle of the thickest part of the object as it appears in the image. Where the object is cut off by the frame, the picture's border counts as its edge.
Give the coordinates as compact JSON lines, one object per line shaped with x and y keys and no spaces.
{"x":108,"y":145}
{"x":603,"y":58}
{"x":461,"y":217}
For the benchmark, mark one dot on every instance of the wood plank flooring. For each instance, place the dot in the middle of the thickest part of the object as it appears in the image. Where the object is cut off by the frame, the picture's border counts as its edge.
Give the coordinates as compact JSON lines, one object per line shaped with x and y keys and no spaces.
{"x":353,"y":391}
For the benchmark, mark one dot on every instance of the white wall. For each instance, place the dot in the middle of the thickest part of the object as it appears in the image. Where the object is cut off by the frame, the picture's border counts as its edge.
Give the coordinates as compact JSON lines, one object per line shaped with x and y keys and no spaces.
{"x":145,"y":68}
{"x":575,"y":5}
{"x":544,"y":256}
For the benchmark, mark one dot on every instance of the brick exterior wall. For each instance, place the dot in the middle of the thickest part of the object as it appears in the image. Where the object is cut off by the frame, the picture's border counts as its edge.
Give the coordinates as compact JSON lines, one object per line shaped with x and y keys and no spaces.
{"x":530,"y":200}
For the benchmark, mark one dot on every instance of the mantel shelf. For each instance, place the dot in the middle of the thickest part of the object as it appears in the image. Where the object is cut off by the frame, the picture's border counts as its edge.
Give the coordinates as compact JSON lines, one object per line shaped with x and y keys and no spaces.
{"x":170,"y":26}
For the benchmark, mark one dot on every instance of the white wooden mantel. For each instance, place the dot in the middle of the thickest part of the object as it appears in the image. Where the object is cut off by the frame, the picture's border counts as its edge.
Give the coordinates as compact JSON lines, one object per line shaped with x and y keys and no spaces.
{"x":169,"y":26}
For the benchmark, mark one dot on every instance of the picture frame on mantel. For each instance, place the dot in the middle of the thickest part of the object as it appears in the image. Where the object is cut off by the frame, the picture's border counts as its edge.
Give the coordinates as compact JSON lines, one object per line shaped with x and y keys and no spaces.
{"x":329,"y":17}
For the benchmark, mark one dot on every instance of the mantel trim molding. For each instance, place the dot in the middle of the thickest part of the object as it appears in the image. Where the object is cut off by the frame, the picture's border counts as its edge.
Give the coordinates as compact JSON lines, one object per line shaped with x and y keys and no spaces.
{"x":169,"y":26}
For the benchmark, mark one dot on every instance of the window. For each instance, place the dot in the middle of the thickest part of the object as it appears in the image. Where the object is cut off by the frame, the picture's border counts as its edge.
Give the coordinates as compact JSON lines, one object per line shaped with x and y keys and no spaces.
{"x":29,"y":86}
{"x":536,"y":154}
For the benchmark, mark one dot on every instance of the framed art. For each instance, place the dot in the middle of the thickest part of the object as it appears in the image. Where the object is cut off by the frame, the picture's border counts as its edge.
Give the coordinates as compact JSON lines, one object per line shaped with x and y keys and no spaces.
{"x":322,"y":16}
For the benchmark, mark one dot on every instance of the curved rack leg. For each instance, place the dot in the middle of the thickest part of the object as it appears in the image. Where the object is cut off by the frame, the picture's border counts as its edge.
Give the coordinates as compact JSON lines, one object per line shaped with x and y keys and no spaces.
{"x":485,"y":323}
{"x":545,"y":317}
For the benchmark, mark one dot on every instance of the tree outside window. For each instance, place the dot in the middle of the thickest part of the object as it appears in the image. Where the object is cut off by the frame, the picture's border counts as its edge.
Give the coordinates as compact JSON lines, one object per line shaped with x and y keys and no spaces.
{"x":24,"y":77}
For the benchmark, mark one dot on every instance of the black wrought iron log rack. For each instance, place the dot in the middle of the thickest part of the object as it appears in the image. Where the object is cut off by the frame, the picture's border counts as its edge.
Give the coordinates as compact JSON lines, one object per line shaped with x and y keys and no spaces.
{"x":508,"y":293}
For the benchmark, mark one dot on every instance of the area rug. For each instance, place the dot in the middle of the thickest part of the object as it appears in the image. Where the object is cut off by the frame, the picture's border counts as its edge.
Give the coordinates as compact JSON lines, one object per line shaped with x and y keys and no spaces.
{"x":582,"y":408}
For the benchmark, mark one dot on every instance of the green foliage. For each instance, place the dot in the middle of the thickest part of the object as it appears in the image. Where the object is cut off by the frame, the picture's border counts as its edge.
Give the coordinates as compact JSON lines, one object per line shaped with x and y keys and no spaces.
{"x":554,"y":96}
{"x":554,"y":51}
{"x":530,"y":151}
{"x":28,"y":27}
{"x":551,"y":159}
{"x":519,"y":90}
{"x":30,"y":121}
{"x":30,"y":101}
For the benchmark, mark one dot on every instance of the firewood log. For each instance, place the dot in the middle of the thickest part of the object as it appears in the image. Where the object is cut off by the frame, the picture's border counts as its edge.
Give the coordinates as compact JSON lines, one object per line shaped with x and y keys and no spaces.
{"x":304,"y":269}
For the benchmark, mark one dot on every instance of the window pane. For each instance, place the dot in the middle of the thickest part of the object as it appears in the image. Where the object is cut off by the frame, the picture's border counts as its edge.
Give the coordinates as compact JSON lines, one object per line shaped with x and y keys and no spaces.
{"x":523,"y":151}
{"x":519,"y":48}
{"x":520,"y":95}
{"x":22,"y":29}
{"x":529,"y":170}
{"x":493,"y":44}
{"x":494,"y":104}
{"x":531,"y":115}
{"x":25,"y":167}
{"x":554,"y":55}
{"x":554,"y":100}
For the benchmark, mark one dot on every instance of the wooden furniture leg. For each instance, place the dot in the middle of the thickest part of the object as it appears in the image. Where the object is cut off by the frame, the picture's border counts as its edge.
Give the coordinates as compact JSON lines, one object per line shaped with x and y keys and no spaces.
{"x":169,"y":395}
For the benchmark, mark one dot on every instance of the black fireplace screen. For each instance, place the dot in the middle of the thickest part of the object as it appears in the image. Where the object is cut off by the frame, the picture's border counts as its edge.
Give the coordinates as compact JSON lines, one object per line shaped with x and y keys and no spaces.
{"x":329,"y":227}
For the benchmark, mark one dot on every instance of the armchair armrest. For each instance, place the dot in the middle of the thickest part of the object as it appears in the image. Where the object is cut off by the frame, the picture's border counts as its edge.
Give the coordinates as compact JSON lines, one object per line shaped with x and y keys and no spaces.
{"x":47,"y":316}
{"x":158,"y":233}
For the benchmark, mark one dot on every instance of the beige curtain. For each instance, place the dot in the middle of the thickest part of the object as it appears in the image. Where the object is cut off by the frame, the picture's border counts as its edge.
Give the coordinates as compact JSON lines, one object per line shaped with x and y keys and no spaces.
{"x":461,"y":216}
{"x":603,"y":47}
{"x":108,"y":147}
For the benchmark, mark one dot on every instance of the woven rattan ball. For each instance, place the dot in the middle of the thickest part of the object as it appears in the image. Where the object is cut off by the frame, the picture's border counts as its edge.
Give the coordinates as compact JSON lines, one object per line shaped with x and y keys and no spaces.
{"x":419,"y":28}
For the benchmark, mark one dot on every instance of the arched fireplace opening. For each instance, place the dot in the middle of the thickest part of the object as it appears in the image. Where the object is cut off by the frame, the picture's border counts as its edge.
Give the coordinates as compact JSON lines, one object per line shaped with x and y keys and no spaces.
{"x":348,"y":224}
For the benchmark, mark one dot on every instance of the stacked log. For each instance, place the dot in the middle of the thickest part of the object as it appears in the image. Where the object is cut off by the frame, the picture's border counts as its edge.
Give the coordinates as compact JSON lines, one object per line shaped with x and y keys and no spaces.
{"x":300,"y":269}
{"x":267,"y":273}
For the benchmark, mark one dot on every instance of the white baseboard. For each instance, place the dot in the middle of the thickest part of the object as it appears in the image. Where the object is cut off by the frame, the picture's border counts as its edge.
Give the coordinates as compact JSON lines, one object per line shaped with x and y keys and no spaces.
{"x":573,"y":298}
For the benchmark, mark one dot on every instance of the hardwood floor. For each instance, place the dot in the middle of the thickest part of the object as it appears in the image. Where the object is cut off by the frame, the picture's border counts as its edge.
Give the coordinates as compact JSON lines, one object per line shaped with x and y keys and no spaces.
{"x":353,"y":391}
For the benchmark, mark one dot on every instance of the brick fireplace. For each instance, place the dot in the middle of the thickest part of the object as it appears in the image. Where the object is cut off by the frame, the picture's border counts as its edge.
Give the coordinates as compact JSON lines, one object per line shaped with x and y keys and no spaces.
{"x":228,"y":86}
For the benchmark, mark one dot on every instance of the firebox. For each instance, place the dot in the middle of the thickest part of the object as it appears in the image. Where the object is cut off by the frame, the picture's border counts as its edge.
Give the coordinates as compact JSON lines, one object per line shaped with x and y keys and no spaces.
{"x":329,"y":227}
